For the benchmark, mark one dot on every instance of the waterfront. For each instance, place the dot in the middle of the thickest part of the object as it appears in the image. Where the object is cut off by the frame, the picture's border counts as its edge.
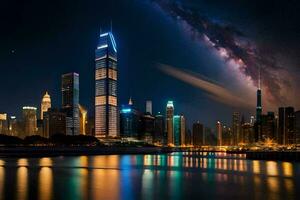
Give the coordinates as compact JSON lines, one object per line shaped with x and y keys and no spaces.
{"x":180,"y":175}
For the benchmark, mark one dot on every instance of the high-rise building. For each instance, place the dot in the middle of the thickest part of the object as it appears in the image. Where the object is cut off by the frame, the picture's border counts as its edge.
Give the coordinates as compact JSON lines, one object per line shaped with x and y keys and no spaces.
{"x":54,"y":122}
{"x":129,"y":121}
{"x":219,"y":133}
{"x":286,"y":126}
{"x":236,"y":125}
{"x":179,"y":130}
{"x":247,"y":132}
{"x":169,"y":123}
{"x":258,"y":134}
{"x":159,"y":129}
{"x":227,"y":137}
{"x":83,"y":120}
{"x":3,"y":123}
{"x":149,"y":107}
{"x":70,"y":102}
{"x":13,"y":126}
{"x":106,"y":98}
{"x":45,"y":105}
{"x":29,"y":121}
{"x":268,"y":126}
{"x":297,"y":126}
{"x":198,"y":134}
{"x":147,"y":128}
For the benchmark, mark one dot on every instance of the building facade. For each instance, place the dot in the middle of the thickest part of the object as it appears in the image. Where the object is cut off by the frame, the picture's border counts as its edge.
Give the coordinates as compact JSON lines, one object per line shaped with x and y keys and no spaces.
{"x":219,"y":133}
{"x":159,"y":129}
{"x":286,"y":126}
{"x":106,"y":98}
{"x":45,"y":105}
{"x":129,"y":122}
{"x":3,"y":123}
{"x":29,"y":121}
{"x":169,"y":122}
{"x":83,"y":120}
{"x":54,"y":123}
{"x":70,"y":102}
{"x":198,"y":134}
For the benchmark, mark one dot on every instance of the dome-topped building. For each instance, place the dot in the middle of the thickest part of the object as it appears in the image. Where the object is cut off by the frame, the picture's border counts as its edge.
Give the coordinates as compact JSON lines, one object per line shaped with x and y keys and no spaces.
{"x":46,"y":104}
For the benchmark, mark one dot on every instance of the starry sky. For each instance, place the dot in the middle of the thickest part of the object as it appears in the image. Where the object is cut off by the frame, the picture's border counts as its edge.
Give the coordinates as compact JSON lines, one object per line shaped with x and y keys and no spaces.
{"x":205,"y":55}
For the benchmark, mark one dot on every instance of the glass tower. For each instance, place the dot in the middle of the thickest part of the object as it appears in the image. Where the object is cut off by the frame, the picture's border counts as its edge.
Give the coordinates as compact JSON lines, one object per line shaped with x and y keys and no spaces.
{"x":106,"y":101}
{"x":70,"y":102}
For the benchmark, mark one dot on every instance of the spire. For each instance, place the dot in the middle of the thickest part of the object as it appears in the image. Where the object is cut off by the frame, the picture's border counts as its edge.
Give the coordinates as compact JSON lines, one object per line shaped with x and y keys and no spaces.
{"x":259,"y":78}
{"x":130,"y":101}
{"x":111,"y":26}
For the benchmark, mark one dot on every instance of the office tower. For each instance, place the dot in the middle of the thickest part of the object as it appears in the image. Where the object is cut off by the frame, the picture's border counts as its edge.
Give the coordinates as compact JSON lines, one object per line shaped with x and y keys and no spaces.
{"x":13,"y":126}
{"x":45,"y":105}
{"x":297,"y":127}
{"x":3,"y":123}
{"x":286,"y":126}
{"x":159,"y":129}
{"x":268,"y":126}
{"x":179,"y":130}
{"x":227,"y":137}
{"x":149,"y":107}
{"x":198,"y":134}
{"x":169,"y":123}
{"x":82,"y":120}
{"x":29,"y":121}
{"x":248,"y":133}
{"x":54,"y":122}
{"x":106,"y":99}
{"x":147,"y":128}
{"x":257,"y":126}
{"x":70,"y":102}
{"x":219,"y":133}
{"x":40,"y":127}
{"x":129,"y":121}
{"x":236,"y":122}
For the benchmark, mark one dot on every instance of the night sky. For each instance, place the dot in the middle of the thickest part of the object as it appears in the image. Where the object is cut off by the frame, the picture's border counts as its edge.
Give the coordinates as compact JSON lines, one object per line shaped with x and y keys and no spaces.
{"x":221,"y":43}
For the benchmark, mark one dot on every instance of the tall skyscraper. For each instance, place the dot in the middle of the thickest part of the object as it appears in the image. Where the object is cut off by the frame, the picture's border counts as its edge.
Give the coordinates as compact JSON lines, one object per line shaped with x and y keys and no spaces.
{"x":159,"y":129}
{"x":13,"y":127}
{"x":29,"y":120}
{"x":149,"y":107}
{"x":236,"y":124}
{"x":169,"y":123}
{"x":106,"y":98}
{"x":70,"y":101}
{"x":46,"y":104}
{"x":129,"y":121}
{"x":198,"y":134}
{"x":219,"y":133}
{"x":257,"y":126}
{"x":179,"y":130}
{"x":286,"y":126}
{"x":54,"y":122}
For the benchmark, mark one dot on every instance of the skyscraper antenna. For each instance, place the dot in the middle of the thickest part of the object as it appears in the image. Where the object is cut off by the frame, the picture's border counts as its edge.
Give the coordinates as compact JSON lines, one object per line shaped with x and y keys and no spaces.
{"x":111,"y":25}
{"x":100,"y":30}
{"x":259,"y":77}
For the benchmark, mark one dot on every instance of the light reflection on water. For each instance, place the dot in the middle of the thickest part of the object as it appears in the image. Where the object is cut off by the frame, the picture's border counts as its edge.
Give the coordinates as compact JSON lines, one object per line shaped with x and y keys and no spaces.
{"x":176,"y":176}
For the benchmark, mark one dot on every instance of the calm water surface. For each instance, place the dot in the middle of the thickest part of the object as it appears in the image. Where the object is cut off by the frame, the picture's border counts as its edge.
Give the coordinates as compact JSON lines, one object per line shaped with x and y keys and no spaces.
{"x":166,"y":176}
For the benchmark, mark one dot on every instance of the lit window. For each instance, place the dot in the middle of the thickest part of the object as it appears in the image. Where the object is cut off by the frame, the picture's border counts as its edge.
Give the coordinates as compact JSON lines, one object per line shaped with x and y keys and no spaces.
{"x":101,"y":100}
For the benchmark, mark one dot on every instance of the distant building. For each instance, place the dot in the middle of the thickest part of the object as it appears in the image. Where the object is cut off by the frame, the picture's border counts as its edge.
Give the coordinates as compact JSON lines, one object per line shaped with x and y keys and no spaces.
{"x":45,"y":105}
{"x":219,"y":133}
{"x":159,"y":129}
{"x":54,"y":122}
{"x":40,"y":127}
{"x":106,"y":98}
{"x":247,"y":131}
{"x":29,"y":121}
{"x":297,"y":126}
{"x":70,"y":102}
{"x":179,"y":130}
{"x":268,"y":126}
{"x":236,"y":123}
{"x":3,"y":123}
{"x":147,"y":128}
{"x":129,"y":121}
{"x":286,"y":126}
{"x":169,"y":122}
{"x":227,"y":137}
{"x":83,"y":120}
{"x":198,"y":134}
{"x":13,"y":126}
{"x":149,"y":107}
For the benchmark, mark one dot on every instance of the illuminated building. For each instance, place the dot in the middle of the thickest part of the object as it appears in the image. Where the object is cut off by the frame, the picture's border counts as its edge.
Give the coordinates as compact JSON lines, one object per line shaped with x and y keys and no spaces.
{"x":179,"y":130}
{"x":29,"y":121}
{"x":149,"y":107}
{"x":297,"y":126}
{"x":46,"y":104}
{"x":70,"y":101}
{"x":13,"y":126}
{"x":106,"y":99}
{"x":3,"y":123}
{"x":286,"y":125}
{"x":159,"y":129}
{"x":169,"y":124}
{"x":258,"y":134}
{"x":236,"y":128}
{"x":82,"y":120}
{"x":248,"y":133}
{"x":198,"y":134}
{"x":54,"y":122}
{"x":227,"y":137}
{"x":219,"y":133}
{"x":129,"y":121}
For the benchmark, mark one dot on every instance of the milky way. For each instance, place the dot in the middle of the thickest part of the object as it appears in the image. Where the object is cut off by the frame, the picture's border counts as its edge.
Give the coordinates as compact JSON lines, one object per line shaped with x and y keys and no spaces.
{"x":236,"y":49}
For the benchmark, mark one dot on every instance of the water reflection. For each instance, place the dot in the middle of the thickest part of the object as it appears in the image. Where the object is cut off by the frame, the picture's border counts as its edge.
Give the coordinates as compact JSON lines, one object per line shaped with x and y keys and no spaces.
{"x":176,"y":176}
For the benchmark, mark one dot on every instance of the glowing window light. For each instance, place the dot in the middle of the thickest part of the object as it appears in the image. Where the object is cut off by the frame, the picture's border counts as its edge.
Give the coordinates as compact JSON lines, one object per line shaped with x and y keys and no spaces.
{"x":126,"y":110}
{"x":103,"y":34}
{"x":102,"y":46}
{"x":113,"y":41}
{"x":170,"y":104}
